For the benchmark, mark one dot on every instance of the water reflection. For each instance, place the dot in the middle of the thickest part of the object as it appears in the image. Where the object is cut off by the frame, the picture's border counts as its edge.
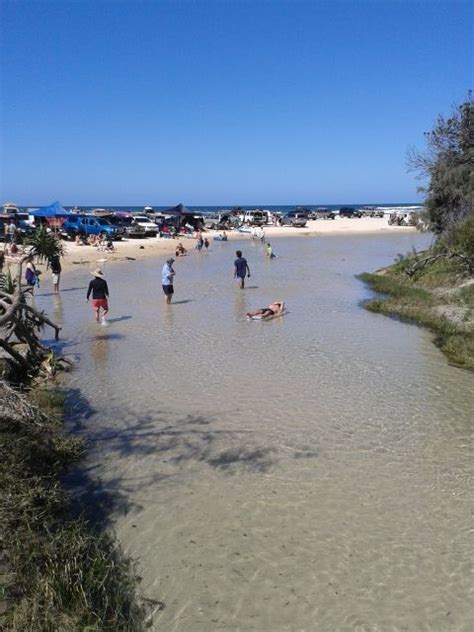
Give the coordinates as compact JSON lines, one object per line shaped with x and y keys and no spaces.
{"x":57,"y":312}
{"x":100,"y":347}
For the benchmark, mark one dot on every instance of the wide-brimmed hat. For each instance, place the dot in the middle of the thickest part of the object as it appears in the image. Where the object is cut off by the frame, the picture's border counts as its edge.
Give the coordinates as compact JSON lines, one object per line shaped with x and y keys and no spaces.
{"x":170,"y":260}
{"x":98,"y":273}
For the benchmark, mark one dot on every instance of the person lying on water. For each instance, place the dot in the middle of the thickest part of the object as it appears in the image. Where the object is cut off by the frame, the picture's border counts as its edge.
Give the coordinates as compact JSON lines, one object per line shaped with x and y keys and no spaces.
{"x":274,"y":309}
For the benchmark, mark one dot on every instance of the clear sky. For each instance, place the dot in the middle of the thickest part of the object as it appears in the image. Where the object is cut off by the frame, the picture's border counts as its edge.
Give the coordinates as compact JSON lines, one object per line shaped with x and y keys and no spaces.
{"x":224,"y":102}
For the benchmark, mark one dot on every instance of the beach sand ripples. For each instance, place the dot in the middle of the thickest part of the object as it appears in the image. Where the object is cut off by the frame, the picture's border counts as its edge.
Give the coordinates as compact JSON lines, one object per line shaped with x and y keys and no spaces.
{"x":308,"y":473}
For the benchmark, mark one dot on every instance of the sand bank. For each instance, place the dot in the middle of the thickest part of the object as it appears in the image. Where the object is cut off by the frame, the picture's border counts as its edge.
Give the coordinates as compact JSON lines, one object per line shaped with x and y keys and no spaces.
{"x":128,"y":249}
{"x":139,"y":248}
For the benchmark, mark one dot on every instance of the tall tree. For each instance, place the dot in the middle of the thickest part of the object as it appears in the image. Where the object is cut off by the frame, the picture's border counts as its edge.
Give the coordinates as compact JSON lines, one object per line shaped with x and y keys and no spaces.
{"x":447,"y":163}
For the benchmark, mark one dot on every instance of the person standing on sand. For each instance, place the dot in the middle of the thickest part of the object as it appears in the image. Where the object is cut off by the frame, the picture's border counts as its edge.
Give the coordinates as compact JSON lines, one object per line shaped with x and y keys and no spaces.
{"x":167,"y":277}
{"x":11,"y":232}
{"x":100,"y":294}
{"x":241,"y":268}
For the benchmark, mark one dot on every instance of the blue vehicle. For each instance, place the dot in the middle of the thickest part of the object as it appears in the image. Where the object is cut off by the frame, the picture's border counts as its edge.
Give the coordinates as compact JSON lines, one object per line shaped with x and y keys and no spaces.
{"x":85,"y":225}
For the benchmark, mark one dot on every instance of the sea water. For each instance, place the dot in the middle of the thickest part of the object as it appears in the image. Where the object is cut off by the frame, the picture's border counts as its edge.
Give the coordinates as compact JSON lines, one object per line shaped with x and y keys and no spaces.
{"x":307,"y":473}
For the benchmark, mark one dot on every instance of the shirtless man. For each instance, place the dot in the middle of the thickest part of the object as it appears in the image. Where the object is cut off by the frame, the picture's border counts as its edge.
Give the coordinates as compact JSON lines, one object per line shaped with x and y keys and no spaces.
{"x":274,"y":309}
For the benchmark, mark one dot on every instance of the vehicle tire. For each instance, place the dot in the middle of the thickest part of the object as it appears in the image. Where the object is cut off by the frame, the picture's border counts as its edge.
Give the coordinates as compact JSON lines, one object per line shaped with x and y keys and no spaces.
{"x":103,"y":235}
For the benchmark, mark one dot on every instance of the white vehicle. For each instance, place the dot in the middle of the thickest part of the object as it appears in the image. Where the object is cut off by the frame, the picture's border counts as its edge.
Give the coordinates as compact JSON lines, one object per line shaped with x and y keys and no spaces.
{"x":254,"y":218}
{"x":151,"y":229}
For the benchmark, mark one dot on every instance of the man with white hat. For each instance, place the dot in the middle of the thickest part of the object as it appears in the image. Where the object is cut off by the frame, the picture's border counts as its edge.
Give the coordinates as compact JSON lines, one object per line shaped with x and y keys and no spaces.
{"x":100,"y":294}
{"x":167,"y":275}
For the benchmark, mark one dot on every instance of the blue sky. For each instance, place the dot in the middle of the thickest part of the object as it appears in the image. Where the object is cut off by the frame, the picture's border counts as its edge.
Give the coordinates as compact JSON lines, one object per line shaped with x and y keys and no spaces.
{"x":224,"y":102}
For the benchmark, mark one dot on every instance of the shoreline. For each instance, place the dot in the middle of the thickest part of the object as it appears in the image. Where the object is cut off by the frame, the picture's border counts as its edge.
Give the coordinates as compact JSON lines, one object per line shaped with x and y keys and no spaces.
{"x":134,"y":249}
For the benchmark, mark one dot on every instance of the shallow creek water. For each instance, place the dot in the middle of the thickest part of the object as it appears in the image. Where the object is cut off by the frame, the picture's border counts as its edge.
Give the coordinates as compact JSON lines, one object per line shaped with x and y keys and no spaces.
{"x":308,"y":473}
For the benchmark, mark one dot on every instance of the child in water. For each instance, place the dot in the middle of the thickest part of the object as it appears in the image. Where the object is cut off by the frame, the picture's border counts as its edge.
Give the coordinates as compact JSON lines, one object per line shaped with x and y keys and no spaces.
{"x":270,"y":251}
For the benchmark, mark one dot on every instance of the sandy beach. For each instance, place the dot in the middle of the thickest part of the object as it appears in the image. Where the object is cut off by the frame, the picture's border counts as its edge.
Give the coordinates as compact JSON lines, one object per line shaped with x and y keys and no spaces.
{"x":140,"y":248}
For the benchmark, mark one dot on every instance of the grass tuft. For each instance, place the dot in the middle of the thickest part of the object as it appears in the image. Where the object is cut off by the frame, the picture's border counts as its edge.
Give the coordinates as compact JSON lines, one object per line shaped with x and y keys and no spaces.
{"x":421,"y":299}
{"x":67,"y":576}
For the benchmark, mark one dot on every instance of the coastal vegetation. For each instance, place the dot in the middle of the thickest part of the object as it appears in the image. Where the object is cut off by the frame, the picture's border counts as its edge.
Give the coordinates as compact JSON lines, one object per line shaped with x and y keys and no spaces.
{"x":57,"y":570}
{"x":436,"y":287}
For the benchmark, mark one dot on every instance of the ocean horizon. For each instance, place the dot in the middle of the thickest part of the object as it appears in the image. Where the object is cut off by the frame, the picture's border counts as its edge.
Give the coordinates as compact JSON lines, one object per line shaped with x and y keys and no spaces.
{"x":283,"y":208}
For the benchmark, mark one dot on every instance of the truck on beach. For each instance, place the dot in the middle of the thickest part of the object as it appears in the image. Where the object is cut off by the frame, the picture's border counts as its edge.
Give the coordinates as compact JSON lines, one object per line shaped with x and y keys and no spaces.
{"x":85,"y":225}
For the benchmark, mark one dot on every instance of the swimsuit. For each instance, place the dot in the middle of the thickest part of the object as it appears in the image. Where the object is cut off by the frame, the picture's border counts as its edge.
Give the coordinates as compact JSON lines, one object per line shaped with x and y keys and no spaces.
{"x":266,"y":311}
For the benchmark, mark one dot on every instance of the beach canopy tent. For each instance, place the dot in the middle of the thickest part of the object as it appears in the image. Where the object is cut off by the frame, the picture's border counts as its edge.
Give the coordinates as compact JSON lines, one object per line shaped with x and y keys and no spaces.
{"x":53,"y":215}
{"x":52,"y":211}
{"x":179,"y":209}
{"x":183,"y":216}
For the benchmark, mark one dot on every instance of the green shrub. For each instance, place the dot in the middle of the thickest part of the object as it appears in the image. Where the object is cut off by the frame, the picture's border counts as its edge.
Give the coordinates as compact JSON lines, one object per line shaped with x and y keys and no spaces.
{"x":68,"y":576}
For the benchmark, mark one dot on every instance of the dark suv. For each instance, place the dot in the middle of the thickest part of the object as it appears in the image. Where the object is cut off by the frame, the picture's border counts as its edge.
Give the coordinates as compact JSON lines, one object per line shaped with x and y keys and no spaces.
{"x":322,"y":213}
{"x":349,"y":211}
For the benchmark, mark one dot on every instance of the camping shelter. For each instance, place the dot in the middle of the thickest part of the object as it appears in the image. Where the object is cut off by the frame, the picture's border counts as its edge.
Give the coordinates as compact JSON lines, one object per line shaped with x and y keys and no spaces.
{"x":182,"y":215}
{"x":51,"y":211}
{"x":53,"y":215}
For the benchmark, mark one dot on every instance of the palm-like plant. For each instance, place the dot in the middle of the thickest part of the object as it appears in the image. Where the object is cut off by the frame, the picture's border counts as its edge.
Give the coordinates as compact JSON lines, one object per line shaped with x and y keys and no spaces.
{"x":44,"y":245}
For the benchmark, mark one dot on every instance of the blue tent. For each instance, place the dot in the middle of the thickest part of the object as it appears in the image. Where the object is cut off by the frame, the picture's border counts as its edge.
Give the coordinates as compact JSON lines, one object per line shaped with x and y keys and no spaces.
{"x":53,"y":210}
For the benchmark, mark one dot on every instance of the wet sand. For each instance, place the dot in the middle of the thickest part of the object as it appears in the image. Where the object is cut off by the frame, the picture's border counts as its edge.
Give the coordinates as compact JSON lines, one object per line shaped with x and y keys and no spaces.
{"x":309,"y":473}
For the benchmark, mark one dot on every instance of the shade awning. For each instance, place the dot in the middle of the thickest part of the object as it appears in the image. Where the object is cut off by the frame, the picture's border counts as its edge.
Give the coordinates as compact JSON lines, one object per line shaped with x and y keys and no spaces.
{"x":53,"y":210}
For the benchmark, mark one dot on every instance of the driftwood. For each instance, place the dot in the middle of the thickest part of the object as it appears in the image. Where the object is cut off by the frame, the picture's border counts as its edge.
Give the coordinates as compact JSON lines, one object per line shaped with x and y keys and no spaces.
{"x":20,"y":324}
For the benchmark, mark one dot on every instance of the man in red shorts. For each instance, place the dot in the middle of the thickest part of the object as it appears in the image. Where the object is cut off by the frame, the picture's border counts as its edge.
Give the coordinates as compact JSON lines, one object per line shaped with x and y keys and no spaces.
{"x":100,"y":293}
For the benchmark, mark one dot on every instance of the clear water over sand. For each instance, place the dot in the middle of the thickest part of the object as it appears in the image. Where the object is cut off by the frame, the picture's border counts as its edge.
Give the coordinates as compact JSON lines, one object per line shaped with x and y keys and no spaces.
{"x":308,"y":473}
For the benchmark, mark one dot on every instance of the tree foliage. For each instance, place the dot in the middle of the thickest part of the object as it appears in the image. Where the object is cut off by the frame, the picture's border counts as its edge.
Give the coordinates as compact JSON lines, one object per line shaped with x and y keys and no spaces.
{"x":447,"y":163}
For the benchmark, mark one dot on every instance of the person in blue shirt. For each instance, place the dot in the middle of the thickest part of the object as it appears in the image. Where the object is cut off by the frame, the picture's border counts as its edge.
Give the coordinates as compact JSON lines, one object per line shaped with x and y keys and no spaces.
{"x":241,"y":269}
{"x":167,"y":276}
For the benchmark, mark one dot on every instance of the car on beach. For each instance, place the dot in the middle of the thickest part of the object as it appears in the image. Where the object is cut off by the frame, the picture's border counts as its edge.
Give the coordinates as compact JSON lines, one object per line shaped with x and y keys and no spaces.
{"x":371,"y":211}
{"x":85,"y":225}
{"x":349,"y":211}
{"x":217,"y":221}
{"x":127,"y":223}
{"x":151,"y":229}
{"x":298,"y":219}
{"x":254,"y":218}
{"x":135,"y":231}
{"x":322,"y":213}
{"x":23,"y":227}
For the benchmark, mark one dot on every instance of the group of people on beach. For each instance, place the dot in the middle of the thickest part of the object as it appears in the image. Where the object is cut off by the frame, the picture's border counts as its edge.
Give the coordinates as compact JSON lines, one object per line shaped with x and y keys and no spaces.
{"x":201,"y":241}
{"x":98,"y":289}
{"x":102,"y":243}
{"x":32,"y":274}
